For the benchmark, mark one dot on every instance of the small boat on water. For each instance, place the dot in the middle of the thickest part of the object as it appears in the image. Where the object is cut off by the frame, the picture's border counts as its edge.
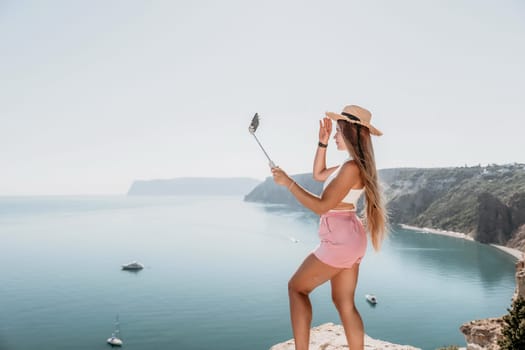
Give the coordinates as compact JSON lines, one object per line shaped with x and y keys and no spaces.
{"x":114,"y":340}
{"x":371,"y":298}
{"x":133,"y":266}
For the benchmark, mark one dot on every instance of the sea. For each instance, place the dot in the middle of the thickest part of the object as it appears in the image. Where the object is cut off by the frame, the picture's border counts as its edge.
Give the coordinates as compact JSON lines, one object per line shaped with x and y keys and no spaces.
{"x":216,"y":274}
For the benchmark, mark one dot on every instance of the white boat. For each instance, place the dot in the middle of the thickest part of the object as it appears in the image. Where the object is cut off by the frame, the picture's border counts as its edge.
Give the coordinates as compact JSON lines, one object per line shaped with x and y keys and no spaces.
{"x":371,"y":298}
{"x":134,"y":266}
{"x":114,"y":340}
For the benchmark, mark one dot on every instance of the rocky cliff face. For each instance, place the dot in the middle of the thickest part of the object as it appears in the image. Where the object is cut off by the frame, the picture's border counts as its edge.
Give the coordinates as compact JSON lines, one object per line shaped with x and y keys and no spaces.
{"x":483,"y":334}
{"x":518,"y":239}
{"x":520,"y":279}
{"x":484,"y":202}
{"x":501,"y":223}
{"x":412,"y":193}
{"x":517,"y":209}
{"x":494,"y":220}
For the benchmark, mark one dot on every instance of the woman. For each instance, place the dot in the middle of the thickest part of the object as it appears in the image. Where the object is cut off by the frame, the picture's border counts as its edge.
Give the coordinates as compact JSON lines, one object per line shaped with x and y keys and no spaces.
{"x":343,"y":238}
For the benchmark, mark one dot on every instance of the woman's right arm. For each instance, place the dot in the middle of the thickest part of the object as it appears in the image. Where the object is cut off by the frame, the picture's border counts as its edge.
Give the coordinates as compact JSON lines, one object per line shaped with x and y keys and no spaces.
{"x":331,"y":196}
{"x":320,"y":172}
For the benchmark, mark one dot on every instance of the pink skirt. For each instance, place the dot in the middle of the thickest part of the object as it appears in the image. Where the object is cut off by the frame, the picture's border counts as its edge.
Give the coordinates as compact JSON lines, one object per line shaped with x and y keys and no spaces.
{"x":343,"y":239}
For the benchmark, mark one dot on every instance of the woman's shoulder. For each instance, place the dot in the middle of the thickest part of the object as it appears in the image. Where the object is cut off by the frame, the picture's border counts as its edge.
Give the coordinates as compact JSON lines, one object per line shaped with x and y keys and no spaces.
{"x":350,"y":167}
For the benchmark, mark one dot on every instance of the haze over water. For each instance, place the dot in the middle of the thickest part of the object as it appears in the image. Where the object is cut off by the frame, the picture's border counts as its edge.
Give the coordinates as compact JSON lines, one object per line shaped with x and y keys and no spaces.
{"x":216,"y":276}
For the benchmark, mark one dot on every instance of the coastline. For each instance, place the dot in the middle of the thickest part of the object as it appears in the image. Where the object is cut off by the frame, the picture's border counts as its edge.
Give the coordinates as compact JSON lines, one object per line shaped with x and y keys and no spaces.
{"x":517,"y":254}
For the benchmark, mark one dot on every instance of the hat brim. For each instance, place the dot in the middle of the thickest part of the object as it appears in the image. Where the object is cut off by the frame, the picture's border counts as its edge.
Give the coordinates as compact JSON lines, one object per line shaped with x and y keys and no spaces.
{"x":337,"y":116}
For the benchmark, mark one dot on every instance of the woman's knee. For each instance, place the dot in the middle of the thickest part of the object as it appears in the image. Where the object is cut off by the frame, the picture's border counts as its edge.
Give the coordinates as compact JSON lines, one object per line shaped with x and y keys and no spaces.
{"x":296,"y":288}
{"x":343,"y":302}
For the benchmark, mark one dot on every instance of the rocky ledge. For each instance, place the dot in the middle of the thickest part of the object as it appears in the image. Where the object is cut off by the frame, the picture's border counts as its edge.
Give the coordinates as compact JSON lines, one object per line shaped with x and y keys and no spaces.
{"x":329,"y":336}
{"x":484,"y":334}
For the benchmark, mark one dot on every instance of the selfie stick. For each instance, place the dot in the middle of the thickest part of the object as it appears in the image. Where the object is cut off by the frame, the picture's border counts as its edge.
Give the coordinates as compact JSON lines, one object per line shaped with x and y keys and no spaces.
{"x":252,"y":128}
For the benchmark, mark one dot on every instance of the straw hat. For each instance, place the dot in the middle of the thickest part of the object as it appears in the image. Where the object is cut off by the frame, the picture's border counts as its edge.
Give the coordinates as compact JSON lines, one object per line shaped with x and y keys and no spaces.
{"x":357,"y":115}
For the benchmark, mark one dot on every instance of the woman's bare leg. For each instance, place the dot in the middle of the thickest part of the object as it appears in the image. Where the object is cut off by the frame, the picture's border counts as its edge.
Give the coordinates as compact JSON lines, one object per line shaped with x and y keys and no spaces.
{"x":308,"y":276}
{"x":343,"y":290}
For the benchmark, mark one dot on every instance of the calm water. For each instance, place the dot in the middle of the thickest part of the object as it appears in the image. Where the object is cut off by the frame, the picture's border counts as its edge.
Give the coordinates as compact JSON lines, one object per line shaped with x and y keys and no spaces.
{"x":216,"y":276}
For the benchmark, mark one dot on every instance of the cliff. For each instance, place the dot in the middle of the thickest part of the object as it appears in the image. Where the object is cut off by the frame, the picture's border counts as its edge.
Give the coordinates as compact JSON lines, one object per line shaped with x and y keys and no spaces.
{"x":487,"y":203}
{"x":193,"y":186}
{"x":484,"y":334}
{"x":332,"y":337}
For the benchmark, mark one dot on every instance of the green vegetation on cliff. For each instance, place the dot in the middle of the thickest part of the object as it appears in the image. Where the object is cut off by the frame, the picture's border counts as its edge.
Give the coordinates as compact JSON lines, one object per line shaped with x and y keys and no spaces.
{"x":513,"y":333}
{"x":486,"y":202}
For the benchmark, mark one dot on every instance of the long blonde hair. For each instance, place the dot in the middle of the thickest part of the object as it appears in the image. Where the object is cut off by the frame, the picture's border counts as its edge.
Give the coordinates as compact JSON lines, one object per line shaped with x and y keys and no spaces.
{"x":359,"y":144}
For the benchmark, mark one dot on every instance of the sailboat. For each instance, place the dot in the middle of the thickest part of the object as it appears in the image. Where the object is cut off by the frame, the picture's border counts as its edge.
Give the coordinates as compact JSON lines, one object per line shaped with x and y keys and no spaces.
{"x":114,"y":340}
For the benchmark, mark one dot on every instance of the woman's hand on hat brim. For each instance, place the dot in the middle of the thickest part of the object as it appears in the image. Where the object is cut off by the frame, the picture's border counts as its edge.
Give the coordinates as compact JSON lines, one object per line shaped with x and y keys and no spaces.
{"x":325,"y":130}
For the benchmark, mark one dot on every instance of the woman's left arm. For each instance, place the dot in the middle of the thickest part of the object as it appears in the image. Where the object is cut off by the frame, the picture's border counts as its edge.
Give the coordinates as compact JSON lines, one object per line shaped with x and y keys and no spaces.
{"x":331,"y":196}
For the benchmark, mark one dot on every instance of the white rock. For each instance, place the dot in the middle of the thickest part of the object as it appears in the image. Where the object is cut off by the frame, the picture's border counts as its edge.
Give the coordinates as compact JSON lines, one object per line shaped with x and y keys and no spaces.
{"x":329,"y":336}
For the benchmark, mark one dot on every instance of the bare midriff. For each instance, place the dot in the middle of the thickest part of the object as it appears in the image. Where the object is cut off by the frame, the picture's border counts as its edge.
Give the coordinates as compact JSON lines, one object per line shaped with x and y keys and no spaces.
{"x":344,"y":206}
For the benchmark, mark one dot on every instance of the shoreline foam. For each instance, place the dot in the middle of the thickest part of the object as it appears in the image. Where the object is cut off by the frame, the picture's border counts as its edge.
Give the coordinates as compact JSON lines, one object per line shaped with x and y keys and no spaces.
{"x":516,"y":253}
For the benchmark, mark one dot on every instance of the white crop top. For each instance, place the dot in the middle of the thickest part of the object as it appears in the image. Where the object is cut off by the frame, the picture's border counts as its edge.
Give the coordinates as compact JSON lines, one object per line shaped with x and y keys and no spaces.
{"x":353,"y":195}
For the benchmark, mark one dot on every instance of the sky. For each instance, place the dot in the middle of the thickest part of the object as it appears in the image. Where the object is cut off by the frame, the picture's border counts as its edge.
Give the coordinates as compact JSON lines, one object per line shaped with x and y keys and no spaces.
{"x":97,"y":94}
